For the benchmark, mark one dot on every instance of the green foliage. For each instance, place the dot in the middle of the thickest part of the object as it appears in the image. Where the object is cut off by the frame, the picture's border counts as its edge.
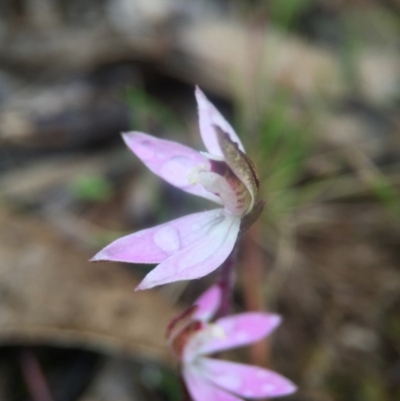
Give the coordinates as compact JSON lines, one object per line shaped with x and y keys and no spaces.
{"x":372,"y":388}
{"x":283,"y":147}
{"x":171,"y":386}
{"x":283,"y":13}
{"x":162,"y":380}
{"x":284,"y":143}
{"x":286,"y":12}
{"x":386,"y":193}
{"x":93,"y":188}
{"x":148,"y":114}
{"x":349,"y":52}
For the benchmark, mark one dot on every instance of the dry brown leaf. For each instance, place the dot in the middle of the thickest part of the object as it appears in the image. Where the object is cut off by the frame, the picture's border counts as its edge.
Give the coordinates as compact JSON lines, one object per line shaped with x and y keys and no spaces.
{"x":223,"y":48}
{"x":50,"y":294}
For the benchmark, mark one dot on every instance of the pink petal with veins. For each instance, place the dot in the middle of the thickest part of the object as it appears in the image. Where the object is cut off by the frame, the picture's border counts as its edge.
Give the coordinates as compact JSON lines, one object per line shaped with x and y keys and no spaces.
{"x":156,"y":244}
{"x":208,"y":304}
{"x":170,"y":160}
{"x":246,"y":380}
{"x":206,"y":254}
{"x":201,"y":389}
{"x":239,"y":330}
{"x":208,"y":117}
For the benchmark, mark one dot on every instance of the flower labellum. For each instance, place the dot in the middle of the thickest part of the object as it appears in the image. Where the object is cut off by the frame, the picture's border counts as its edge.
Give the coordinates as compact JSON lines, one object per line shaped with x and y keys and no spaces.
{"x":193,"y":246}
{"x":212,"y":379}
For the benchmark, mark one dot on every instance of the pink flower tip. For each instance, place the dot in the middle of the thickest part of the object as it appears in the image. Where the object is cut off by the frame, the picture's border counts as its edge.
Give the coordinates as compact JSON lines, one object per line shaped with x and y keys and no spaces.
{"x":212,"y":379}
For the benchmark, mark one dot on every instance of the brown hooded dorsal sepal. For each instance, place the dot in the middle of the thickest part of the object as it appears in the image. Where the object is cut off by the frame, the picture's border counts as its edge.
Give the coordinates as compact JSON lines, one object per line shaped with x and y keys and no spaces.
{"x":238,"y":162}
{"x":252,"y":216}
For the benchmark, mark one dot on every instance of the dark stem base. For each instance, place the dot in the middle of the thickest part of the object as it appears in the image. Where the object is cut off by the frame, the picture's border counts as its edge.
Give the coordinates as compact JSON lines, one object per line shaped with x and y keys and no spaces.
{"x":226,"y":282}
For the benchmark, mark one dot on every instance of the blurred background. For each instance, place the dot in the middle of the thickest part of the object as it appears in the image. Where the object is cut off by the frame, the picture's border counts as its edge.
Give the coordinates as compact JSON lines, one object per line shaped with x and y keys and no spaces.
{"x":313,"y":89}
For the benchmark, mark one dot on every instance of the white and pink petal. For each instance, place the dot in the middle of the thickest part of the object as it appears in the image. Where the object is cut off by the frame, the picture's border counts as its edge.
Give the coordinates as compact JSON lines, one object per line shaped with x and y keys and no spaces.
{"x":156,"y":244}
{"x":246,"y":380}
{"x":209,"y":117}
{"x":201,"y":389}
{"x":207,"y":304}
{"x":202,"y":257}
{"x":169,"y":160}
{"x":238,"y":330}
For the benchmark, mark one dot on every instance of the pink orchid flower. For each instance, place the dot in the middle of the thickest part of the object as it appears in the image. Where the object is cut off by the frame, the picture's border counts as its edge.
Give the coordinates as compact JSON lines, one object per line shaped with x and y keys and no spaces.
{"x":217,"y":380}
{"x":194,"y":245}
